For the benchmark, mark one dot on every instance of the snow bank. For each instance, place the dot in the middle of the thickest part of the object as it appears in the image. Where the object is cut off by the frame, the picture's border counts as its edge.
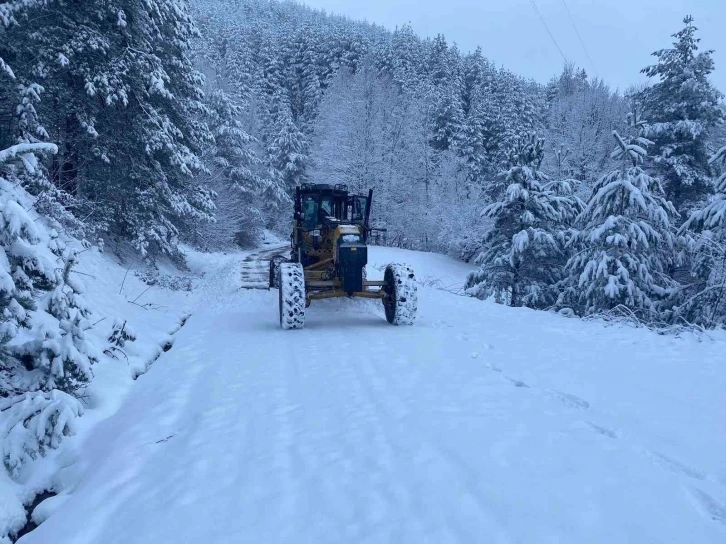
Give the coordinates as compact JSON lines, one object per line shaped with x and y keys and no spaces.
{"x":431,"y":269}
{"x":127,"y":325}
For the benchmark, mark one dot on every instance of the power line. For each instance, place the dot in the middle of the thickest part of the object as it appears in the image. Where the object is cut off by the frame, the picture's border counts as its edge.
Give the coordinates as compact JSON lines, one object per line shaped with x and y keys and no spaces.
{"x":582,"y":43}
{"x":536,"y":10}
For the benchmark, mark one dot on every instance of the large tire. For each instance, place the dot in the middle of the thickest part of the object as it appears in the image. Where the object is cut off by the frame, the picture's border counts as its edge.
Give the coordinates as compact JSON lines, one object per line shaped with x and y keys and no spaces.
{"x":291,"y":281}
{"x":401,"y":299}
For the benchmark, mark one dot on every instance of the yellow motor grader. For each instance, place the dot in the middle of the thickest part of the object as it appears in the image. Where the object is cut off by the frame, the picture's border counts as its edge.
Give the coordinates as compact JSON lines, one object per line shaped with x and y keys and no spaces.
{"x":328,"y":256}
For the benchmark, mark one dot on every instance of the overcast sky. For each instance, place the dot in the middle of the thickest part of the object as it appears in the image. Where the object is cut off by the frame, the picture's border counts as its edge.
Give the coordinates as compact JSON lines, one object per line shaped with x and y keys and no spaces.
{"x":619,"y":35}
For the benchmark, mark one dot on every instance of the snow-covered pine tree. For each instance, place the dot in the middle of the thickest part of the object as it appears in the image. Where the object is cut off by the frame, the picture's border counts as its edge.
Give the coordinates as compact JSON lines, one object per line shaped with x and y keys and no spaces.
{"x":704,"y":301}
{"x":720,"y":156}
{"x":17,"y":230}
{"x":522,"y":254}
{"x":513,"y":107}
{"x":625,"y":242}
{"x":446,"y":118}
{"x":231,"y":151}
{"x":241,"y":189}
{"x":39,"y":349}
{"x":407,"y":58}
{"x":470,"y":139}
{"x":304,"y":83}
{"x":682,"y":108}
{"x":445,"y":98}
{"x":234,"y":179}
{"x":68,"y":306}
{"x":23,"y":133}
{"x":44,"y":345}
{"x":470,"y":147}
{"x":126,"y":112}
{"x":44,"y":351}
{"x":288,"y":153}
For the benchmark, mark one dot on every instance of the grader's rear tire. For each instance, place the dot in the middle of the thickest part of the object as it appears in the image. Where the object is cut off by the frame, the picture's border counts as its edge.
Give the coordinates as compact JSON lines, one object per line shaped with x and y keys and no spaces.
{"x":291,"y":281}
{"x":401,"y":300}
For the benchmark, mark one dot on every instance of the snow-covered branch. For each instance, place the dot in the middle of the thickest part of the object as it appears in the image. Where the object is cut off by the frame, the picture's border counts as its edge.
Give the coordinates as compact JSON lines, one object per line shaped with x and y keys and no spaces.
{"x":19,"y":150}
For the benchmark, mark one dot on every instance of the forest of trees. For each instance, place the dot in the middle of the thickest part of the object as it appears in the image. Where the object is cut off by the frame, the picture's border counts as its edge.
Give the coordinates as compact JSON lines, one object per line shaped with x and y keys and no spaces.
{"x":568,"y":195}
{"x":156,"y":123}
{"x":151,"y":124}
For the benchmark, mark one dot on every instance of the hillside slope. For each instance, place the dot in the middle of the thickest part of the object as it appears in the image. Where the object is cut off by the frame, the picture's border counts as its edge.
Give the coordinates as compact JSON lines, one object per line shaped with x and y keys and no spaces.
{"x":479,"y":423}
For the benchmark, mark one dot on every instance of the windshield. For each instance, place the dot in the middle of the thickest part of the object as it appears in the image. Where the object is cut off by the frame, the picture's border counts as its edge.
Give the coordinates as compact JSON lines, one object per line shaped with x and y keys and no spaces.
{"x":310,"y":211}
{"x":315,"y":209}
{"x":326,"y":207}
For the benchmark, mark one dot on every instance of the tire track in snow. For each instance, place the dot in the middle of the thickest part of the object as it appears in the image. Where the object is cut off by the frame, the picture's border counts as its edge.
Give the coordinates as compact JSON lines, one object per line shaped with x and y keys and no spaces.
{"x":359,"y":449}
{"x":461,"y":478}
{"x":284,"y":449}
{"x":387,"y":463}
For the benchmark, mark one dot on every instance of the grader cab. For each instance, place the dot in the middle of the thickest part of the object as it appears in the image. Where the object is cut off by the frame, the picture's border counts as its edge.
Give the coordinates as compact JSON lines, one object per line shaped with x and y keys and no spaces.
{"x":328,"y":256}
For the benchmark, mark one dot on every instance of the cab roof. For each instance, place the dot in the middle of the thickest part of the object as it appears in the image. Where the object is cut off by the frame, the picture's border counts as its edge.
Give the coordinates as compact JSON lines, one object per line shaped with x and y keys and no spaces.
{"x":323,"y":188}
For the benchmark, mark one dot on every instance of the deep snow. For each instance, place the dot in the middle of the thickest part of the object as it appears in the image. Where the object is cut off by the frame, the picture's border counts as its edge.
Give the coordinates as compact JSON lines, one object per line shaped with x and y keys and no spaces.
{"x":480,"y":423}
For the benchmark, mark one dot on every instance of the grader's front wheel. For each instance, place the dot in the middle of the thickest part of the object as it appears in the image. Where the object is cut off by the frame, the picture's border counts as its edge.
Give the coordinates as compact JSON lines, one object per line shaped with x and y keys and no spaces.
{"x":291,"y":281}
{"x":401,"y":295}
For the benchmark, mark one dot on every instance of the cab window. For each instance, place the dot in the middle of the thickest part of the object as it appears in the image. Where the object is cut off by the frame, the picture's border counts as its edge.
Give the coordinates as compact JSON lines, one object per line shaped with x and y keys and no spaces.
{"x":358,"y":206}
{"x":326,"y":206}
{"x":310,"y":212}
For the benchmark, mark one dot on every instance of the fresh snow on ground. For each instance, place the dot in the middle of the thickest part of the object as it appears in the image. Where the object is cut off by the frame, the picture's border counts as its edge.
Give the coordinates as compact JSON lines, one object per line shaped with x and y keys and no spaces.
{"x":115,"y":294}
{"x":479,"y":423}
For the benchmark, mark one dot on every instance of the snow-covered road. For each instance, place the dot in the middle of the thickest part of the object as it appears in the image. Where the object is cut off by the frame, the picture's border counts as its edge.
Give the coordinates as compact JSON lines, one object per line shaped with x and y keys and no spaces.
{"x":478,"y":424}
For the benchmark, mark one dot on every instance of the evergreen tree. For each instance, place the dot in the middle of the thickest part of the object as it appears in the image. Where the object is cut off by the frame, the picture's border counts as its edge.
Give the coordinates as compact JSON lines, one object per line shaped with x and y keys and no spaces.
{"x":126,"y":112}
{"x":513,"y":107}
{"x":470,"y":137}
{"x":44,"y":351}
{"x":231,"y":150}
{"x":470,"y":146}
{"x":447,"y":118}
{"x":241,"y":189}
{"x":682,"y":107}
{"x":522,"y":252}
{"x":19,"y":92}
{"x":66,"y":356}
{"x":407,"y":61}
{"x":304,"y":84}
{"x":287,"y":153}
{"x":42,"y":316}
{"x":474,"y":74}
{"x":625,"y":244}
{"x":42,"y":339}
{"x":705,"y":299}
